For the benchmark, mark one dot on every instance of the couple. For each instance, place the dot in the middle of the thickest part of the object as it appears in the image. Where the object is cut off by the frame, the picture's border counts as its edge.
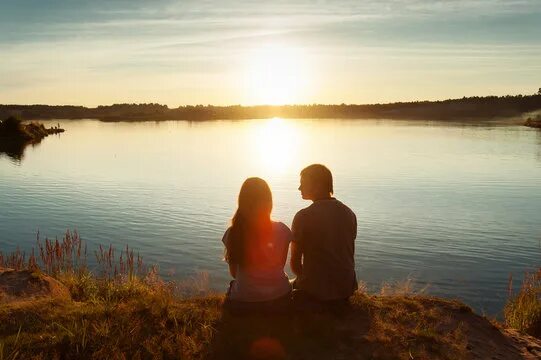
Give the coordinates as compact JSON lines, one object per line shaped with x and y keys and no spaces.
{"x":322,"y":248}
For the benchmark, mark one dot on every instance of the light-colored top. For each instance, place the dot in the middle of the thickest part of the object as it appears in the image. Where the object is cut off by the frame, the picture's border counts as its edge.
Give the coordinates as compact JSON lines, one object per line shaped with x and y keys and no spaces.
{"x":267,"y":280}
{"x":325,"y":232}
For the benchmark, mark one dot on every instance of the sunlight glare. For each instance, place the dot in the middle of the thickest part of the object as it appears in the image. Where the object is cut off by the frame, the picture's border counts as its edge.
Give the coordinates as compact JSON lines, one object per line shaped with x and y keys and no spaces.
{"x":276,"y":143}
{"x":276,"y":75}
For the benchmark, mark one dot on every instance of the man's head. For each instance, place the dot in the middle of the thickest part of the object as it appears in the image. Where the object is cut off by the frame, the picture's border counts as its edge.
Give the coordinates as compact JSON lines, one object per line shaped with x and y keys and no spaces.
{"x":316,"y":182}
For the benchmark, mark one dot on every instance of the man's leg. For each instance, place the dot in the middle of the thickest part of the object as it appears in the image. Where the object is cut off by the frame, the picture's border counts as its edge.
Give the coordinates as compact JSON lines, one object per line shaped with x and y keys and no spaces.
{"x":304,"y":302}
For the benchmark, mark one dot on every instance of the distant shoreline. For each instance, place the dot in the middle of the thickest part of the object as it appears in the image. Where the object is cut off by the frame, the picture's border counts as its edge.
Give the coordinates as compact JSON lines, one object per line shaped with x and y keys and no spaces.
{"x":471,"y":109}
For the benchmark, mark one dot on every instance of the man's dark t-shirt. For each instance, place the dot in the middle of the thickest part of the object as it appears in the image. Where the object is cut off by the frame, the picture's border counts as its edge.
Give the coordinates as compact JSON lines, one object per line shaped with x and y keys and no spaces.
{"x":325,"y":233}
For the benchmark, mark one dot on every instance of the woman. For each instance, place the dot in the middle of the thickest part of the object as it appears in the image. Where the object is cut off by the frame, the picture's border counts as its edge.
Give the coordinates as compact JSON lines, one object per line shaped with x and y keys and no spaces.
{"x":256,"y":252}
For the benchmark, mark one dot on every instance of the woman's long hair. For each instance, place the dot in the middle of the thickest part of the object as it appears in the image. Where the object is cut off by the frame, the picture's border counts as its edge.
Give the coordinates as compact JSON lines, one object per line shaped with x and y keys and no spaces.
{"x":251,"y":225}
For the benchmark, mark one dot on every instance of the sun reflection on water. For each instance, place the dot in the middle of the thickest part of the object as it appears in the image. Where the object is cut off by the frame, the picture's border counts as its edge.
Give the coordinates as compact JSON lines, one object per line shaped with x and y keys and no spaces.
{"x":276,"y":144}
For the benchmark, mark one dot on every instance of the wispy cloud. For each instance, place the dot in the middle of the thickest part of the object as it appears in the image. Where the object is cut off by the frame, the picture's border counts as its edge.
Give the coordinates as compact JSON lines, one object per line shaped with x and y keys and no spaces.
{"x":177,"y":46}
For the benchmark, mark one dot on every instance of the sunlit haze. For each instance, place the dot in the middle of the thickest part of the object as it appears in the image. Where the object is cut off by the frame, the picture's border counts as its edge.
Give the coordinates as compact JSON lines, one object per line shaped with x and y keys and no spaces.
{"x":233,"y":52}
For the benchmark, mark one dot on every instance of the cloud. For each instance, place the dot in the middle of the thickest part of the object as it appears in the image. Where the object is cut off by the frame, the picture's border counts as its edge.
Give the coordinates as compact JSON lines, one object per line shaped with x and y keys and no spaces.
{"x":97,"y":44}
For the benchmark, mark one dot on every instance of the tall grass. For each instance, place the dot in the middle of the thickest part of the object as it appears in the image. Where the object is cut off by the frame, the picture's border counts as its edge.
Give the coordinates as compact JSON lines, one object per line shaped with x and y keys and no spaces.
{"x":523,"y":310}
{"x":116,"y":275}
{"x":70,"y":256}
{"x":65,"y":256}
{"x":15,"y":260}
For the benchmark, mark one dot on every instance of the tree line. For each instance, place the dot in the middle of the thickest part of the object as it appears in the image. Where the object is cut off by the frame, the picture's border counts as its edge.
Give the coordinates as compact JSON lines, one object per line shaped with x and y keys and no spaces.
{"x":465,"y":108}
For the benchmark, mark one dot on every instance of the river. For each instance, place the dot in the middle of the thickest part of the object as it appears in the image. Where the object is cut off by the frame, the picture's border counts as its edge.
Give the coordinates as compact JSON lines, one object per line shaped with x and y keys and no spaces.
{"x":455,"y":207}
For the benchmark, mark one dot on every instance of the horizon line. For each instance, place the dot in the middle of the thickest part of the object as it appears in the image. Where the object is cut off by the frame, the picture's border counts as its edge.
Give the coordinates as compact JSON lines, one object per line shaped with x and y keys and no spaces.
{"x":283,"y":105}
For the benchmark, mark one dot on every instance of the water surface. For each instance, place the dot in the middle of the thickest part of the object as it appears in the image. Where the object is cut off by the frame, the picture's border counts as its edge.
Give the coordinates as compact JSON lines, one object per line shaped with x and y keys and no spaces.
{"x":454,"y":206}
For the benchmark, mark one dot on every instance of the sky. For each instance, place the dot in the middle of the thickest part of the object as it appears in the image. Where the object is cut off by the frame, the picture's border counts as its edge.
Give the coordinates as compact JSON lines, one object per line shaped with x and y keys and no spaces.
{"x":184,"y":52}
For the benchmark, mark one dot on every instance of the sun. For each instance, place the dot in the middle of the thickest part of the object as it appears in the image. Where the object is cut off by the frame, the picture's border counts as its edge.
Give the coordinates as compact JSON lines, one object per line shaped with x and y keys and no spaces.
{"x":275,"y":75}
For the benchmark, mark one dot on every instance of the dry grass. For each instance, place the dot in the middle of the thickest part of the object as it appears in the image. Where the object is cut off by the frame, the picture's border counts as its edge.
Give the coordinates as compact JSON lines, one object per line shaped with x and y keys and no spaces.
{"x":152,"y":326}
{"x":523,"y":310}
{"x":124,"y":310}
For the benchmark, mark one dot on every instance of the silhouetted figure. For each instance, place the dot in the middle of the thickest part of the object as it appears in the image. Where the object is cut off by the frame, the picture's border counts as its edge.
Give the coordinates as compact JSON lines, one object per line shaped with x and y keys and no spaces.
{"x":256,"y":251}
{"x":322,"y":251}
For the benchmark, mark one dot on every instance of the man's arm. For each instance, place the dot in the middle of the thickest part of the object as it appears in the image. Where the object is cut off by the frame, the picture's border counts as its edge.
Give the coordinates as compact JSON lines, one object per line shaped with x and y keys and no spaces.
{"x":296,"y":247}
{"x":296,"y":259}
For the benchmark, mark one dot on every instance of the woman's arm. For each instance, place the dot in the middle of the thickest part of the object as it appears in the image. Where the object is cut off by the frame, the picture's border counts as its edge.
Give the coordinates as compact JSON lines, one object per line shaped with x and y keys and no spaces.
{"x":232,"y":267}
{"x":233,"y":270}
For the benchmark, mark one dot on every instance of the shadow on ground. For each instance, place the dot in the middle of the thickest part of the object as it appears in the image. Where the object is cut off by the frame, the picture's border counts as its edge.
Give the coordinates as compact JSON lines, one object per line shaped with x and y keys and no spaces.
{"x":397,"y":327}
{"x":303,"y":336}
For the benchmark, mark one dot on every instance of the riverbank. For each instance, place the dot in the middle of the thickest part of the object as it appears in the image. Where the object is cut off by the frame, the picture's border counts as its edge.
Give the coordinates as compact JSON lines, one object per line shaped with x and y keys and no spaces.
{"x":53,"y":307}
{"x":140,"y":320}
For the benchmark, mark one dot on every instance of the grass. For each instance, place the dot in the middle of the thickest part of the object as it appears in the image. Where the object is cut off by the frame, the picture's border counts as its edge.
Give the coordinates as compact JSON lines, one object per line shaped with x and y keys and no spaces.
{"x":150,"y":325}
{"x":124,"y":310}
{"x":523,"y":310}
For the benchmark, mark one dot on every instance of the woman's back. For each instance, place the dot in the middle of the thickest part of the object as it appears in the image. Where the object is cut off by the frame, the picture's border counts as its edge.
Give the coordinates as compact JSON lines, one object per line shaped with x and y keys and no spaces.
{"x":261,"y":276}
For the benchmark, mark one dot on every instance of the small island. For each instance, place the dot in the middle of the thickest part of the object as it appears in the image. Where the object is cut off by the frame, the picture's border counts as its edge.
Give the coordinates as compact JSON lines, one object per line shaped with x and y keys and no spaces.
{"x":15,"y":136}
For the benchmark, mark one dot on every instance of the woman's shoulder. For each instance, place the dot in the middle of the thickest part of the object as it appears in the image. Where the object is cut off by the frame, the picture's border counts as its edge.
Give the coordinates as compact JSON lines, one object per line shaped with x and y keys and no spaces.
{"x":281,"y":228}
{"x":280,"y":225}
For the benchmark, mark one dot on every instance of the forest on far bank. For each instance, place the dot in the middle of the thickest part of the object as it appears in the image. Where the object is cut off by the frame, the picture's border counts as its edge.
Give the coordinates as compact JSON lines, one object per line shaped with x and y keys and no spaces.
{"x":466,"y":108}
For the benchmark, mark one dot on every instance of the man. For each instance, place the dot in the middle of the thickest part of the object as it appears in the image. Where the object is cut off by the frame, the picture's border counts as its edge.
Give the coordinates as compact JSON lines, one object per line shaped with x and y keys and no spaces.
{"x":322,"y":250}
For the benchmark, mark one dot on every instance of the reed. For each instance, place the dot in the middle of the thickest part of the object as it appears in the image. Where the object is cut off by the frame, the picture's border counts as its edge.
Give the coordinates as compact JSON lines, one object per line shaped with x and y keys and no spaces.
{"x":70,"y":256}
{"x":523,"y":309}
{"x":65,"y":256}
{"x":15,"y":260}
{"x":125,"y":266}
{"x":115,"y":275}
